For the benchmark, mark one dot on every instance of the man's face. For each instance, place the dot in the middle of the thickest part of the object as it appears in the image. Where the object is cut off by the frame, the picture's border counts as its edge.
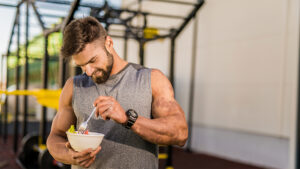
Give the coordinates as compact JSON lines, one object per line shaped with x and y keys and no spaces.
{"x":95,"y":61}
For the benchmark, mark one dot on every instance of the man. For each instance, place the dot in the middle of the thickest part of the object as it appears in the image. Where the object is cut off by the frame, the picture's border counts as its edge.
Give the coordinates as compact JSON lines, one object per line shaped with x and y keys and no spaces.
{"x":136,"y":104}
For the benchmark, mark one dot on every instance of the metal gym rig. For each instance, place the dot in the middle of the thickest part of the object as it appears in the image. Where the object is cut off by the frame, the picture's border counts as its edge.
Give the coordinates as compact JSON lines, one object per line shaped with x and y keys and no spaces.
{"x":34,"y":153}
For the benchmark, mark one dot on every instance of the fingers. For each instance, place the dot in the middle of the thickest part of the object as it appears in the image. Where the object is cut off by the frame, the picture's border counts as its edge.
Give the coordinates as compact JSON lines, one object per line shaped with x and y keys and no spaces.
{"x":96,"y":151}
{"x":109,"y":108}
{"x":103,"y":107}
{"x":68,"y":145}
{"x":82,"y":160}
{"x":87,"y":157}
{"x":82,"y":154}
{"x":101,"y":99}
{"x":104,"y":111}
{"x":89,"y":162}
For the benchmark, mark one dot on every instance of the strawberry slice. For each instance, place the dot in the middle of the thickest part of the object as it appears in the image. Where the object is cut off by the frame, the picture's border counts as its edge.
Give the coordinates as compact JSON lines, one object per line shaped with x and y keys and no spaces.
{"x":86,"y":132}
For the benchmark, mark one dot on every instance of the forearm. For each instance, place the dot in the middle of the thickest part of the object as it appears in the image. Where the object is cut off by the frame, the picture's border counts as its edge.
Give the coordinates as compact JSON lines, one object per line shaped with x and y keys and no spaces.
{"x":57,"y":148}
{"x":163,"y":131}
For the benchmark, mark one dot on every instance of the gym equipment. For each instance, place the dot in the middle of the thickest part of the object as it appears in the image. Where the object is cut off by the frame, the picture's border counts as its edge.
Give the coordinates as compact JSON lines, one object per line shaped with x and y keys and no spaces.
{"x":29,"y":151}
{"x":32,"y":149}
{"x":108,"y":16}
{"x":46,"y":161}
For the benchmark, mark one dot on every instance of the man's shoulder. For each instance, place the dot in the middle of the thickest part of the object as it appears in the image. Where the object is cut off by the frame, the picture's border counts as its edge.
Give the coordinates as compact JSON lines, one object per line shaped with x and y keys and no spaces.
{"x":159,"y":82}
{"x":139,"y":70}
{"x":156,"y":73}
{"x":137,"y":66}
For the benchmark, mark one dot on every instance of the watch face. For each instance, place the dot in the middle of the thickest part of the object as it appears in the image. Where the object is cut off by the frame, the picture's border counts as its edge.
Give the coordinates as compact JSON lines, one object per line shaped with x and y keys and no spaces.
{"x":133,"y":114}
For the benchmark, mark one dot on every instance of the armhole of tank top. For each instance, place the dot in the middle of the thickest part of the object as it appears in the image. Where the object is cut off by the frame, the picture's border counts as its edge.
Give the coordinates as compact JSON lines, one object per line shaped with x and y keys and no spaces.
{"x":150,"y":88}
{"x":73,"y":90}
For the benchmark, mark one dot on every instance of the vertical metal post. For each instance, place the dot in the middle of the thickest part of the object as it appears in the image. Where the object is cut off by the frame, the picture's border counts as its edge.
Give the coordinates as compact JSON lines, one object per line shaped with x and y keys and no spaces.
{"x":192,"y":85}
{"x":169,"y":162}
{"x":62,"y":72}
{"x":297,"y":158}
{"x":172,"y":62}
{"x":142,"y":45}
{"x":17,"y":81}
{"x":6,"y":105}
{"x":45,"y":65}
{"x":25,"y":114}
{"x":25,"y":101}
{"x":7,"y":74}
{"x":3,"y":87}
{"x":125,"y":46}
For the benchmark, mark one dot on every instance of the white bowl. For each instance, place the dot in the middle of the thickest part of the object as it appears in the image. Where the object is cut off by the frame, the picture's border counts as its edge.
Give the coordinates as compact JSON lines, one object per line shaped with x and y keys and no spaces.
{"x":80,"y":142}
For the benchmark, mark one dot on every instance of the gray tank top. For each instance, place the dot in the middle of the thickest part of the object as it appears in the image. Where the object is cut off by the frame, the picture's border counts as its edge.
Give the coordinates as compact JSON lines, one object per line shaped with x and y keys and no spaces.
{"x":121,"y":148}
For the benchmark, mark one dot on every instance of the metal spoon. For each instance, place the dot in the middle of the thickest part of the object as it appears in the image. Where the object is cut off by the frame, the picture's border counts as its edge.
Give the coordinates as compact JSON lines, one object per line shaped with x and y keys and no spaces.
{"x":84,"y":124}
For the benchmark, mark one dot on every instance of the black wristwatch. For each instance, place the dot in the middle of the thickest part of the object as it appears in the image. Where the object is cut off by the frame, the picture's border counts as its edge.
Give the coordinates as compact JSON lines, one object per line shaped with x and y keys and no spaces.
{"x":132,"y":116}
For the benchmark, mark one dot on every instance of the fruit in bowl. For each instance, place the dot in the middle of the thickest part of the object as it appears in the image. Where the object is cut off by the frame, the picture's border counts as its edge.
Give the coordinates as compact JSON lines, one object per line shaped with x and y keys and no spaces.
{"x":80,"y":142}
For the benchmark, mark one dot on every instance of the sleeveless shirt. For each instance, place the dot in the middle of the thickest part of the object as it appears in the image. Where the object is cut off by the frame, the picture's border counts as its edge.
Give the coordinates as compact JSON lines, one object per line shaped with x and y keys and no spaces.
{"x":121,"y":148}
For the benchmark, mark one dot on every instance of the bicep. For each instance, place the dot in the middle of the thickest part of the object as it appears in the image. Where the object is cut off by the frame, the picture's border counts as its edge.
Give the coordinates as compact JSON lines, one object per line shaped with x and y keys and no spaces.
{"x":163,"y":101}
{"x":65,"y":114}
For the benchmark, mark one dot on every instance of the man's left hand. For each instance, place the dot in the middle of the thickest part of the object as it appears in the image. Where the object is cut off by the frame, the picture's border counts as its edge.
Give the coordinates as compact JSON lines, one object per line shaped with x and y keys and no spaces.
{"x":109,"y":108}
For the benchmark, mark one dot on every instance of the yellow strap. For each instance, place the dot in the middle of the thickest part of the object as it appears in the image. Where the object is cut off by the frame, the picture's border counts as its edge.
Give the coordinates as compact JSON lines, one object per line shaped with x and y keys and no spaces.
{"x":169,"y":167}
{"x":45,"y":97}
{"x":162,"y":156}
{"x":150,"y":32}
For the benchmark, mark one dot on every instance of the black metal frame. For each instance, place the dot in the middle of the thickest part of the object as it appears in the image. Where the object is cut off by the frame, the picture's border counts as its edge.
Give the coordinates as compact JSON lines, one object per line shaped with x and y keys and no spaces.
{"x":17,"y":76}
{"x":111,"y":17}
{"x":297,"y":153}
{"x":192,"y":85}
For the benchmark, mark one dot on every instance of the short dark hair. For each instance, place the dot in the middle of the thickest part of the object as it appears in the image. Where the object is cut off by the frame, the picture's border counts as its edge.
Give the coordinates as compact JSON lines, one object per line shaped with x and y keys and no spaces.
{"x":80,"y":32}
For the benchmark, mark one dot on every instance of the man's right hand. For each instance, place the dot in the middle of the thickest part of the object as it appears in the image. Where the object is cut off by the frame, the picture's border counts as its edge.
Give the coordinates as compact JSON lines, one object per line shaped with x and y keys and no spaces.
{"x":84,"y":158}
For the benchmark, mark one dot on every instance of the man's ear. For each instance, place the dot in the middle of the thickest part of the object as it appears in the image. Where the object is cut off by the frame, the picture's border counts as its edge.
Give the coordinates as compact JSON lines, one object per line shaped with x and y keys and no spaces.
{"x":109,"y":44}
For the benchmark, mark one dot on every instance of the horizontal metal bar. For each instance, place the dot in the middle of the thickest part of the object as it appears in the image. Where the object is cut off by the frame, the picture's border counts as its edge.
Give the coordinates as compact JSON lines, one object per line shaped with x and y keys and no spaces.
{"x":148,"y":13}
{"x":51,"y":58}
{"x":117,"y":36}
{"x":175,"y":2}
{"x":167,"y":16}
{"x":8,"y":5}
{"x":55,"y":2}
{"x":118,"y":10}
{"x":190,"y":16}
{"x":68,"y":3}
{"x":159,"y":37}
{"x":51,"y":15}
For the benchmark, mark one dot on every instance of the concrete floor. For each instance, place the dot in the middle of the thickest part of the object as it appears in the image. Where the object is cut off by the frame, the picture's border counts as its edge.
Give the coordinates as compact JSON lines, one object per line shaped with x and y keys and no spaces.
{"x":181,"y":159}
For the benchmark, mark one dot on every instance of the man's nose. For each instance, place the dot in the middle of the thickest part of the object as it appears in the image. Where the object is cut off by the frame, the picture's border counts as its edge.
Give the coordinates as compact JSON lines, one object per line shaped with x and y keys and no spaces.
{"x":89,"y":70}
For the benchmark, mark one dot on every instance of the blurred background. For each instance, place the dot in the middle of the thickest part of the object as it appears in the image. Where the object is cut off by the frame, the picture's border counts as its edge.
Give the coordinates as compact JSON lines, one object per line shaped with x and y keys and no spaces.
{"x":233,"y":65}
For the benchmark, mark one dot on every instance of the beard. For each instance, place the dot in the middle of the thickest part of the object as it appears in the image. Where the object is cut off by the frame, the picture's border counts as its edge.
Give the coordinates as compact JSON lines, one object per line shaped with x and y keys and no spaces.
{"x":104,"y":74}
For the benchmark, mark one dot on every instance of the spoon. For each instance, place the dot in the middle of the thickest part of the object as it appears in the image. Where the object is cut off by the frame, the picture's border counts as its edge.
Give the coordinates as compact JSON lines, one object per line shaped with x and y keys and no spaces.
{"x":84,"y":124}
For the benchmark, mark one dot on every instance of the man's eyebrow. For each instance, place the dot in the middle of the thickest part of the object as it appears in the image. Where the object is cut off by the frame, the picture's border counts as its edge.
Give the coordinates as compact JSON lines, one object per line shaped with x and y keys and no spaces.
{"x":87,"y":61}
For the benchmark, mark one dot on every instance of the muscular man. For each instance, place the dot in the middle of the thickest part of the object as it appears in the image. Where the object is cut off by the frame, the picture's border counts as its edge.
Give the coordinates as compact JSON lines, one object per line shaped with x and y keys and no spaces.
{"x":137,"y":105}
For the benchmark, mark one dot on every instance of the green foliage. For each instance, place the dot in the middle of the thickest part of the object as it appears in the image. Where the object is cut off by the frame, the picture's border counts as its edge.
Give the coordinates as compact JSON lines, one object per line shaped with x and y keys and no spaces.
{"x":35,"y":55}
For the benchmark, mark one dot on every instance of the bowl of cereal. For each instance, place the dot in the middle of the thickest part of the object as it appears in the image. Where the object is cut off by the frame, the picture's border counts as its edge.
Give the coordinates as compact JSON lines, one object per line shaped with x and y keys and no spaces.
{"x":80,"y":142}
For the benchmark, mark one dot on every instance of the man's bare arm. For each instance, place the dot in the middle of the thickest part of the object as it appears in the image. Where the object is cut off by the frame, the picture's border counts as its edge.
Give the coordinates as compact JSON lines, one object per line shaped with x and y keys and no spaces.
{"x":167,"y":127}
{"x":57,"y":143}
{"x":169,"y":124}
{"x":64,"y":118}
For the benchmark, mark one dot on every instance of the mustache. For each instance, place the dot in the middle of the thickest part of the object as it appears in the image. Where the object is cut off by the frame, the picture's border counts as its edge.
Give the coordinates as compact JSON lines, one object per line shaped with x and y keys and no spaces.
{"x":98,"y":70}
